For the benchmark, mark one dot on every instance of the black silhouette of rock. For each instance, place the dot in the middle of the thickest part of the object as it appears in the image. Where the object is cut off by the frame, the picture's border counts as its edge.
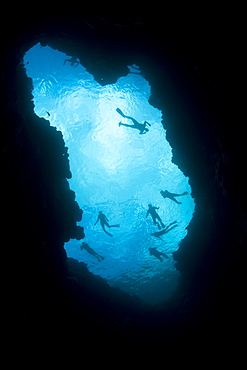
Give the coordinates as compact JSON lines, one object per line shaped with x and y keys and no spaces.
{"x":194,"y":74}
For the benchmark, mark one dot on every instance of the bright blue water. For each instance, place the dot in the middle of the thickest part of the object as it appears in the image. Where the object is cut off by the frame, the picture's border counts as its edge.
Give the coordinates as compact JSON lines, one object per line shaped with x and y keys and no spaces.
{"x":115,"y":170}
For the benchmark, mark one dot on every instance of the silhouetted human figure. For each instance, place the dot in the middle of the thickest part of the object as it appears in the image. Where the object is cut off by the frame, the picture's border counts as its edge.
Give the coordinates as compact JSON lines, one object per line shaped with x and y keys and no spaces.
{"x":153,"y":252}
{"x":166,"y":230}
{"x":167,"y":194}
{"x":155,"y":216}
{"x":91,"y":251}
{"x":104,"y":222}
{"x":136,"y":125}
{"x":72,"y":61}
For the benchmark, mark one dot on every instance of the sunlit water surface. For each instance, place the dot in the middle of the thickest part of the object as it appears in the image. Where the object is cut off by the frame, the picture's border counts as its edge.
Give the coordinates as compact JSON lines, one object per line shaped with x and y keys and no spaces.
{"x":115,"y":170}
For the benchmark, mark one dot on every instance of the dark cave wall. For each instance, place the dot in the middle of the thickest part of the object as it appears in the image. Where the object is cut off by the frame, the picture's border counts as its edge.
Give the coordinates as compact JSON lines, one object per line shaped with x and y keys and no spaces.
{"x":40,"y":210}
{"x":37,"y":159}
{"x":192,"y":84}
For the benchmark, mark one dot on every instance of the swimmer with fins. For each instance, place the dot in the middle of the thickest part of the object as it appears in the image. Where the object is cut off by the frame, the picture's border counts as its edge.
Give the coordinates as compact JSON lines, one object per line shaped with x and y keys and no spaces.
{"x":91,"y":251}
{"x":166,"y":230}
{"x":104,"y":222}
{"x":167,"y":194}
{"x":136,"y":125}
{"x":152,"y":212}
{"x":153,"y":252}
{"x":74,"y":62}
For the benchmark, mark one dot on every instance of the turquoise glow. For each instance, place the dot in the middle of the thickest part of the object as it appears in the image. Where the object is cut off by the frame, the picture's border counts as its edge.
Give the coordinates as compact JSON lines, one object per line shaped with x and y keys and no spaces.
{"x":115,"y":170}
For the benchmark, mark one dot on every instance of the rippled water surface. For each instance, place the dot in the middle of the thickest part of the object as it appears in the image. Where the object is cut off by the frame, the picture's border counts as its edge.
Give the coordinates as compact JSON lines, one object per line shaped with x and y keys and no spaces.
{"x":115,"y":170}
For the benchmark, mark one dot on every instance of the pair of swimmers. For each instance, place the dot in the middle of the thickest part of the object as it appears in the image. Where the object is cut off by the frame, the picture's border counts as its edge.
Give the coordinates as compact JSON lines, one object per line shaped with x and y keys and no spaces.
{"x":157,"y":221}
{"x":104,"y":222}
{"x":158,"y":234}
{"x":153,"y":213}
{"x":153,"y":252}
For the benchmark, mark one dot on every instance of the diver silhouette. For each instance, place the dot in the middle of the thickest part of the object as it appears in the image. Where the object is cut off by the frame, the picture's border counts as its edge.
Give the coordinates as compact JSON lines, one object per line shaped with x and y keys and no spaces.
{"x":72,"y":61}
{"x":152,"y":211}
{"x":166,"y":230}
{"x":104,"y":222}
{"x":91,"y":251}
{"x":136,"y":125}
{"x":153,"y":252}
{"x":167,"y":194}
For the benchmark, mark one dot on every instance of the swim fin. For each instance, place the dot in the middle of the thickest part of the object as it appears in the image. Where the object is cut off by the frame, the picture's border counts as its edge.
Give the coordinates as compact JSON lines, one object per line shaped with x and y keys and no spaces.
{"x":115,"y":225}
{"x":120,"y":112}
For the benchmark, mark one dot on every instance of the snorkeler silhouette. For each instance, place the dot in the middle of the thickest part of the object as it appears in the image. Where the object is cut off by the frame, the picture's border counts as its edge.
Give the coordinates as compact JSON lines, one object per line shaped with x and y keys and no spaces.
{"x":91,"y":251}
{"x":166,"y":230}
{"x":139,"y":126}
{"x":104,"y":222}
{"x":72,"y":61}
{"x":155,"y":216}
{"x":157,"y":254}
{"x":167,"y":194}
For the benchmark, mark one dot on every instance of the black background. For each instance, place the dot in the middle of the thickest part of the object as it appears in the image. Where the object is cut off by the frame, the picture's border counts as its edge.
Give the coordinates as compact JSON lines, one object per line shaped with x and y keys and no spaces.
{"x":193,"y":60}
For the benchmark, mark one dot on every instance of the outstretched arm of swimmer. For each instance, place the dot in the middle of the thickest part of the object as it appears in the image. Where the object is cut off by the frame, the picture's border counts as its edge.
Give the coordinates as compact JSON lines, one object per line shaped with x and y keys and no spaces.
{"x":147,"y":123}
{"x":97,"y":221}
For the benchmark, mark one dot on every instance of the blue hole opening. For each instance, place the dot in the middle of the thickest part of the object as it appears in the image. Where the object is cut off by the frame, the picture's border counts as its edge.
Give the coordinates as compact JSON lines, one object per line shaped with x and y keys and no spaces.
{"x":124,"y":172}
